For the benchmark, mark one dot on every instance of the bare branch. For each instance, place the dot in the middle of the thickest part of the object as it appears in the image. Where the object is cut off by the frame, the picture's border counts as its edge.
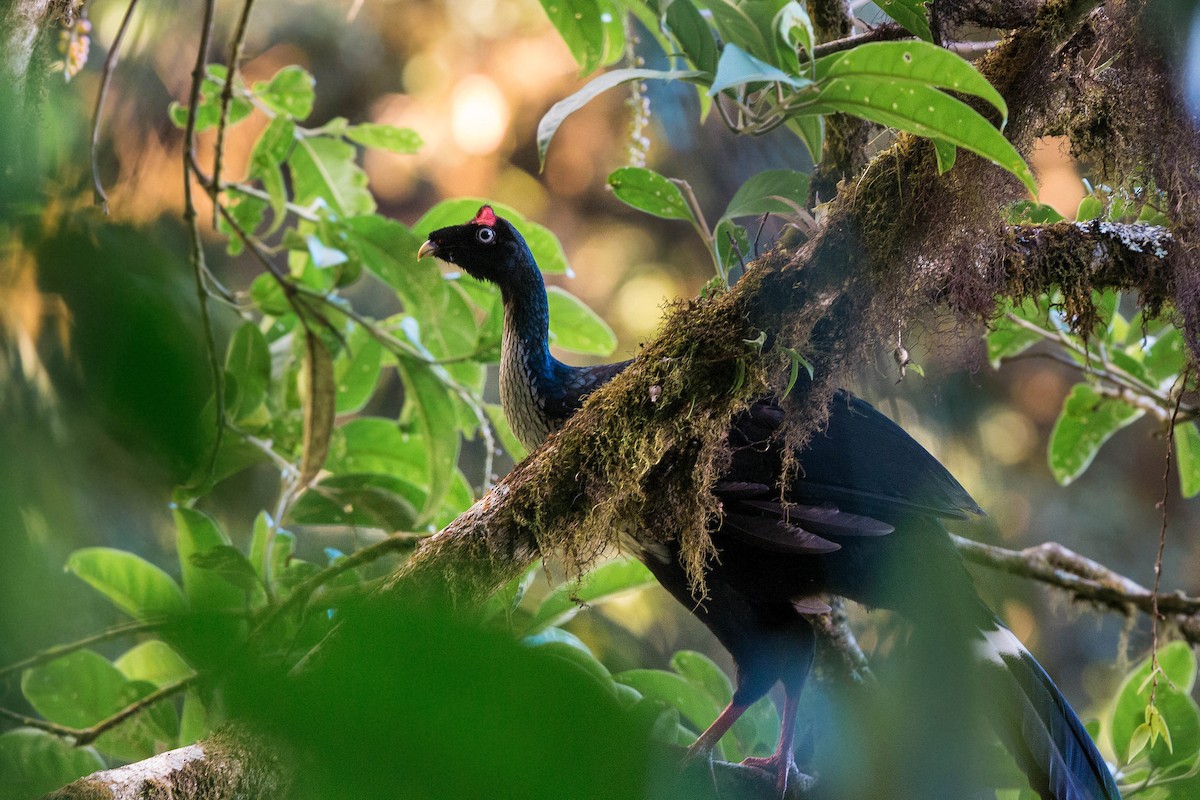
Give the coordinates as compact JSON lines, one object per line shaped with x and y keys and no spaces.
{"x":110,"y":65}
{"x":1085,"y":579}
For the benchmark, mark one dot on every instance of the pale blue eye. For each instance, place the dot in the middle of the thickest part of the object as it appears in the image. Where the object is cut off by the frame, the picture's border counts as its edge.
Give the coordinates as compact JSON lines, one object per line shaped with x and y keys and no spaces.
{"x":486,"y":235}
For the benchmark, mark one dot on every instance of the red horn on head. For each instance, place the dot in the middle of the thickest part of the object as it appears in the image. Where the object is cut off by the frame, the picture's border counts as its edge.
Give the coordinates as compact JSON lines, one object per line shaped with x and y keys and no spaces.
{"x":485,"y":216}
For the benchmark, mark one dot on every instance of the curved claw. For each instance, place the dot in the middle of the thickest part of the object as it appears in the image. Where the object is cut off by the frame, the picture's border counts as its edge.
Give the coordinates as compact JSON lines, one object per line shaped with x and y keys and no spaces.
{"x":781,"y":765}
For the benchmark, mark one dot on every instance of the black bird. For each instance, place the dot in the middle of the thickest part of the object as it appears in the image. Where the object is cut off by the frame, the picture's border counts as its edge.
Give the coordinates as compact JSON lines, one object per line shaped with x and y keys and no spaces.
{"x":862,"y":519}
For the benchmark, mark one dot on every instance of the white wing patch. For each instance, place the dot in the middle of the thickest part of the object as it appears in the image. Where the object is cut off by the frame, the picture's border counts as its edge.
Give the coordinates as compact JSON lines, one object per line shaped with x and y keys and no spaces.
{"x":999,"y":644}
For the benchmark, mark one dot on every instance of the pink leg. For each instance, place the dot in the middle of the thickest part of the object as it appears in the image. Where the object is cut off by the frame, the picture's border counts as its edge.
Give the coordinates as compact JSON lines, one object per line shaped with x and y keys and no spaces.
{"x":706,"y":741}
{"x":782,"y":760}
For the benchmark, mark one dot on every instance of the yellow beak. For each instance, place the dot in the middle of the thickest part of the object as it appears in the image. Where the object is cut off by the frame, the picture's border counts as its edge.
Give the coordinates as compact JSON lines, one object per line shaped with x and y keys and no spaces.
{"x":427,"y":249}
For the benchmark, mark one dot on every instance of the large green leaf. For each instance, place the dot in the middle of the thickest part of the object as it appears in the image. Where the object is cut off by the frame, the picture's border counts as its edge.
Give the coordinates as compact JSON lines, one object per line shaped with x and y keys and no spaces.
{"x":1087,"y":421}
{"x":575,"y":327}
{"x":693,"y":34}
{"x":365,"y":500}
{"x":356,"y":371}
{"x":1187,"y":455}
{"x":325,"y":168}
{"x":911,"y":14}
{"x":648,"y":191}
{"x":197,"y":532}
{"x":155,"y":661}
{"x":378,"y":445}
{"x":604,"y":582}
{"x":736,"y":25}
{"x":578,"y":23}
{"x":693,"y":703}
{"x":249,"y":364}
{"x":777,"y":191}
{"x":429,"y":406}
{"x":77,"y":690}
{"x":554,"y":118}
{"x":83,"y":688}
{"x":133,"y":584}
{"x":33,"y":763}
{"x":899,"y":84}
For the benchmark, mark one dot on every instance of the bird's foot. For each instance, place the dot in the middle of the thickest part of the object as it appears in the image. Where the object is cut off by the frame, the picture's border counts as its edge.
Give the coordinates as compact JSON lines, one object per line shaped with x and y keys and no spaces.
{"x":701,"y":752}
{"x":781,"y":765}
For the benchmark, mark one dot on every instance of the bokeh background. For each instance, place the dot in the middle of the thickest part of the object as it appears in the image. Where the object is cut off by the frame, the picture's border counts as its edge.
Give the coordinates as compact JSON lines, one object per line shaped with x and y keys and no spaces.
{"x":102,"y":406}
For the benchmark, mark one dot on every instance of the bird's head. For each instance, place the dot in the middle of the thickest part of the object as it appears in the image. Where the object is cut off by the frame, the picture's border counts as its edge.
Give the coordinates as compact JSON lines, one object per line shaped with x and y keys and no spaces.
{"x":488,"y":248}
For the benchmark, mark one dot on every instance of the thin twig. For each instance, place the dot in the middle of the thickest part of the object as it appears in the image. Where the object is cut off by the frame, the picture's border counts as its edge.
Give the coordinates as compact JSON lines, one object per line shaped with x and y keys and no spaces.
{"x":235,"y":58}
{"x":884,"y":33}
{"x":1162,"y":535}
{"x":58,"y":651}
{"x":85,"y":736}
{"x":110,"y":65}
{"x":199,"y":267}
{"x":396,"y":542}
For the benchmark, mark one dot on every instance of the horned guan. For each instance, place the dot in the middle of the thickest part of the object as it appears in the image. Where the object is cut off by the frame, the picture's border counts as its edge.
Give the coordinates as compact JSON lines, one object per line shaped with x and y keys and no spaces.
{"x":861,"y":518}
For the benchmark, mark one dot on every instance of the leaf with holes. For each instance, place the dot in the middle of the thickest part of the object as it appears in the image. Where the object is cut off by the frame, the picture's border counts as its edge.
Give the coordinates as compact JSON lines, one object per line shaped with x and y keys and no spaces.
{"x":1087,"y":421}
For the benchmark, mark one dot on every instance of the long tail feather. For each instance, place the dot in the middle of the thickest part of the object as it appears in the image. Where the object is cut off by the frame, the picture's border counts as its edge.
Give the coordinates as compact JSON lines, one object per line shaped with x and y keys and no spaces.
{"x":1038,"y":726}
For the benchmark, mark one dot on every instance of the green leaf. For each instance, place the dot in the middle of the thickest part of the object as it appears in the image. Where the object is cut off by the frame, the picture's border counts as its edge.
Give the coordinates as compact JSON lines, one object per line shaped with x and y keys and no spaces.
{"x":561,"y":644}
{"x":810,"y":128}
{"x":1007,"y":338}
{"x":1187,"y":455}
{"x":693,"y":34}
{"x":795,"y":27}
{"x":249,"y":363}
{"x":910,"y":14}
{"x":378,"y":445}
{"x":648,"y":191}
{"x":946,"y":154}
{"x":150,"y":731}
{"x":228,"y":562}
{"x":703,"y":672}
{"x":368,"y":500}
{"x":273,"y":146}
{"x":1166,"y":355}
{"x":290,"y":92}
{"x":738,"y":68}
{"x":1090,"y":208}
{"x":193,"y":719}
{"x":1028,"y":211}
{"x":554,"y":118}
{"x":1087,"y":421}
{"x":734,"y":24}
{"x":693,"y":703}
{"x":325,"y":169}
{"x":77,"y":690}
{"x":198,"y":533}
{"x":602,"y":583}
{"x":897,"y":84}
{"x":385,"y":137}
{"x":516,"y":451}
{"x":776,"y":191}
{"x":133,"y":584}
{"x":575,"y":327}
{"x":155,"y":661}
{"x":427,"y":403}
{"x":1129,"y":721}
{"x":578,"y":23}
{"x":356,"y":371}
{"x":33,"y":763}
